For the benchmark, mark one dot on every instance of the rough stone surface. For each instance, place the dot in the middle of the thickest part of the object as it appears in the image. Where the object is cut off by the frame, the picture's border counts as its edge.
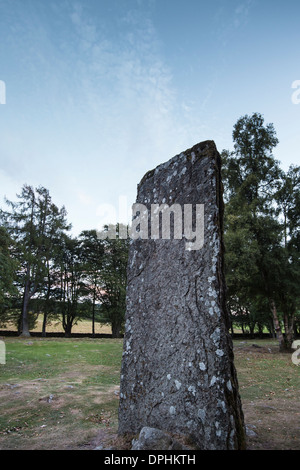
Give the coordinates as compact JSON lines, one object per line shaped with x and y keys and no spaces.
{"x":155,"y":439}
{"x":177,"y":366}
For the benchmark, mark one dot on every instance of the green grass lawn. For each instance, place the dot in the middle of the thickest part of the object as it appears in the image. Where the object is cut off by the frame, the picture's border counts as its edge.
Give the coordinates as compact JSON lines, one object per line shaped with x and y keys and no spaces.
{"x":57,"y":392}
{"x":27,"y":359}
{"x":62,"y":393}
{"x":269,"y":386}
{"x":264,"y":372}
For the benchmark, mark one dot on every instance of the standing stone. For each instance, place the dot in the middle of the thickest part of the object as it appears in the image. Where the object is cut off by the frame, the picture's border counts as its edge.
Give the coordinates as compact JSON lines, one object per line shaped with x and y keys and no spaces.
{"x":177,"y":371}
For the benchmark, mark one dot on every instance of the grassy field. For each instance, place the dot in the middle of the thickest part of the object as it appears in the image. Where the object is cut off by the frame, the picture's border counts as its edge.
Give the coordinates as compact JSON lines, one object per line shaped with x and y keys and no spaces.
{"x":57,"y":394}
{"x":63,"y":394}
{"x":270,"y":391}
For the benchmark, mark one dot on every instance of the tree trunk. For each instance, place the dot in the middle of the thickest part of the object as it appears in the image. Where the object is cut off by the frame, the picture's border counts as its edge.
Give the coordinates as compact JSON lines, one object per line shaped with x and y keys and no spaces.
{"x":115,"y":329}
{"x":93,"y":314}
{"x":46,"y":308}
{"x":68,"y":331}
{"x":44,"y":325}
{"x":271,"y":328}
{"x":25,"y":327}
{"x":68,"y":319}
{"x":295,"y":329}
{"x":277,"y":326}
{"x":68,"y":327}
{"x":289,"y":330}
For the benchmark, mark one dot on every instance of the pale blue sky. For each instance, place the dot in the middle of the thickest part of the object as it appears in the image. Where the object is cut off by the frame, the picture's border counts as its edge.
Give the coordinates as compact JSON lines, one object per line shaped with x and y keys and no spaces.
{"x":100,"y":91}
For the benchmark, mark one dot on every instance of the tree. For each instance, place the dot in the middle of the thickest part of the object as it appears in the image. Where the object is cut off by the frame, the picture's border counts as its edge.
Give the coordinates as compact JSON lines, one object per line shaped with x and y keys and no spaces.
{"x":8,"y":268}
{"x":114,"y":278}
{"x":92,"y":256}
{"x":240,"y":265}
{"x":55,"y":231}
{"x":33,"y":223}
{"x":255,"y":260}
{"x":288,"y":201}
{"x":71,"y":289}
{"x":250,"y":171}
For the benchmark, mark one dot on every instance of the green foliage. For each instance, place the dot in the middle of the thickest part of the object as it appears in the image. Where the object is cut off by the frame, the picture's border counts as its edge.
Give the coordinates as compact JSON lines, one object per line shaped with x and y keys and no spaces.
{"x":42,"y":269}
{"x":8,"y":267}
{"x":114,"y":277}
{"x":261,"y":229}
{"x":35,"y":225}
{"x":104,"y":256}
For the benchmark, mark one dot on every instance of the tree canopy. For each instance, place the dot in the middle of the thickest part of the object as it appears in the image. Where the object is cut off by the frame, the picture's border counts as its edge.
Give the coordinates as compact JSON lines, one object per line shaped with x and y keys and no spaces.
{"x":44,"y":269}
{"x":261,"y":231}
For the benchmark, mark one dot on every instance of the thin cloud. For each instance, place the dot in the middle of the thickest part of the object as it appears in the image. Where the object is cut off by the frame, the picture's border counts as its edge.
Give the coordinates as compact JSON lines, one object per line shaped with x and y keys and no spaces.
{"x":241,"y":13}
{"x":125,"y":83}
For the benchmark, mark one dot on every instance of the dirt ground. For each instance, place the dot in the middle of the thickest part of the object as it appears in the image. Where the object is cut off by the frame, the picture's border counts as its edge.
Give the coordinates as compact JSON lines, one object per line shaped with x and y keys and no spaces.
{"x":268,"y":427}
{"x":269,"y":387}
{"x":72,"y":412}
{"x":273,"y":426}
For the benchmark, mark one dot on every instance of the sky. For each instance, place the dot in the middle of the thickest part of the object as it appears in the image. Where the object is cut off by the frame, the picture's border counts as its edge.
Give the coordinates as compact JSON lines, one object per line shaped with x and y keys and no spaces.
{"x":94,"y":93}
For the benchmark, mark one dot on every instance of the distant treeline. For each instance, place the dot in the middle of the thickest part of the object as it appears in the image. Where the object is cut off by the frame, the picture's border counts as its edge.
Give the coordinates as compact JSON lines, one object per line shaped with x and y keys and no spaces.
{"x":45,"y":270}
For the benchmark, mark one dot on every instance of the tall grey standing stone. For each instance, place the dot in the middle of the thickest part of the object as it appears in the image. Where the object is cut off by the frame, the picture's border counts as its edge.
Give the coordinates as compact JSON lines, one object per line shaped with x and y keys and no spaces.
{"x":177,"y":370}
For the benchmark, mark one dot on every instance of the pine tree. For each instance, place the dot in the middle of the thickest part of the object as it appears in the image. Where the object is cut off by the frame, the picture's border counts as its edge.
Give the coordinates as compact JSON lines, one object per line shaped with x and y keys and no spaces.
{"x":8,"y":268}
{"x":34,"y":222}
{"x":255,"y":257}
{"x":92,"y":255}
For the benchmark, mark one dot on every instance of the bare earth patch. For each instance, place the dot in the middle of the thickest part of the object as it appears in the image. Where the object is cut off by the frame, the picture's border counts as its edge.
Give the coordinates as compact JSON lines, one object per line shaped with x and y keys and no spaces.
{"x":77,"y":409}
{"x":56,"y":413}
{"x":276,"y":424}
{"x":269,"y":386}
{"x":42,"y":420}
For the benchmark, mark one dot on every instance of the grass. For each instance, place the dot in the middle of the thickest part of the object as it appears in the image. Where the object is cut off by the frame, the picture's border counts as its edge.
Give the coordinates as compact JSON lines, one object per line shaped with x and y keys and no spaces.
{"x":63,"y":393}
{"x":263,"y":372}
{"x":269,"y":388}
{"x":55,"y":394}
